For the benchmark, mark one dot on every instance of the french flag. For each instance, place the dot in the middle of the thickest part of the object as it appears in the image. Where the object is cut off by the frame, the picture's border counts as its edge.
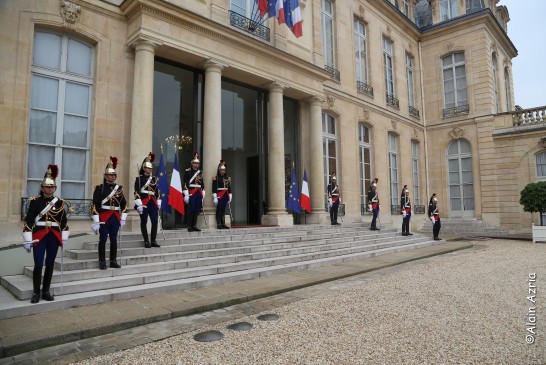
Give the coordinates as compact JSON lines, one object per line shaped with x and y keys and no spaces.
{"x":280,"y":11}
{"x":262,"y":6}
{"x":292,"y":17}
{"x":176,"y":199}
{"x":305,"y":200}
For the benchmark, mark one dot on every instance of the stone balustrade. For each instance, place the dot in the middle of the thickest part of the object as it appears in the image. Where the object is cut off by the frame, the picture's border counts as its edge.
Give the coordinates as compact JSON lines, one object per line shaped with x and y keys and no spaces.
{"x":528,"y":117}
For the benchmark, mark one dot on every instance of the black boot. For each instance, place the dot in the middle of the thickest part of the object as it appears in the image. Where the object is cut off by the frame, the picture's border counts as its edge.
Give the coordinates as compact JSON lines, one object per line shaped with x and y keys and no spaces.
{"x":36,"y":281}
{"x":35,"y":298}
{"x":102,"y":265}
{"x":48,"y":275}
{"x":219,"y":224}
{"x":144,"y":231}
{"x":154,"y":244}
{"x":194,"y":222}
{"x":224,"y":222}
{"x":153,"y":234}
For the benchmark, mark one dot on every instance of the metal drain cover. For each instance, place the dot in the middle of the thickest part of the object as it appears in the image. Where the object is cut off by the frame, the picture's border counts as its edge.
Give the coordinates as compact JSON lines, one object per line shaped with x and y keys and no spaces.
{"x":268,"y":317}
{"x":240,"y":326}
{"x":208,"y":336}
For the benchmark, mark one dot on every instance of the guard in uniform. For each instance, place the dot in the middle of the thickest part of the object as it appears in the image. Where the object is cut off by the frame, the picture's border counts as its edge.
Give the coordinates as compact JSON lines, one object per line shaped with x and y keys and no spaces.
{"x":434,"y":215}
{"x":109,"y":213}
{"x":221,"y":193}
{"x":194,"y":192}
{"x":406,"y":211}
{"x":44,"y":231}
{"x":333,"y":199}
{"x":373,"y":204}
{"x":146,"y":202}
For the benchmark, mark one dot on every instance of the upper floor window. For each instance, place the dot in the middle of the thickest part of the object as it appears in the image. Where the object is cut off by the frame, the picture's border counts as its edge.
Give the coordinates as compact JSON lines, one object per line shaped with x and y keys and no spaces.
{"x":495,"y":85}
{"x":541,"y":165}
{"x":393,"y":167}
{"x":507,"y":89}
{"x":59,"y":117}
{"x":327,"y":16}
{"x":405,"y":8}
{"x":409,"y":75}
{"x":454,"y":75}
{"x":364,"y":161}
{"x":246,"y":8}
{"x":388,"y":66}
{"x":361,"y":51}
{"x":448,"y":9}
{"x":329,"y":148}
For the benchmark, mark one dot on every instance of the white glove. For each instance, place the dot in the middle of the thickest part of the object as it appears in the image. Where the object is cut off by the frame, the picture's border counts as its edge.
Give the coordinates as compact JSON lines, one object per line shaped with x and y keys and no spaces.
{"x":65,"y":235}
{"x":370,"y":208}
{"x":378,"y":208}
{"x":122,"y":222}
{"x":95,"y":227}
{"x":215,"y":198}
{"x":230,"y":197}
{"x":404,"y":214}
{"x":203,"y":192}
{"x":140,"y":209}
{"x":96,"y":218}
{"x":330,"y":202}
{"x":186,"y":199}
{"x":123,"y":216}
{"x":432,"y":220}
{"x":339,"y":200}
{"x":27,"y":246}
{"x":159,"y":203}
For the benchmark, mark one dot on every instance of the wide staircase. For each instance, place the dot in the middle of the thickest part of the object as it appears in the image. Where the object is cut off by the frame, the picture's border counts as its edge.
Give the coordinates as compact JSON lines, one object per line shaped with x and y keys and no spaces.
{"x":190,"y":260}
{"x":465,"y":227}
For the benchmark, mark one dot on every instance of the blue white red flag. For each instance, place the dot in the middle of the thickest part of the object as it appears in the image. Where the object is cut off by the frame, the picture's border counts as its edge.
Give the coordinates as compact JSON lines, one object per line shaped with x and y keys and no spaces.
{"x":292,"y":17}
{"x":279,"y":7}
{"x":262,"y":7}
{"x":305,"y":200}
{"x":163,"y":186}
{"x":176,"y":198}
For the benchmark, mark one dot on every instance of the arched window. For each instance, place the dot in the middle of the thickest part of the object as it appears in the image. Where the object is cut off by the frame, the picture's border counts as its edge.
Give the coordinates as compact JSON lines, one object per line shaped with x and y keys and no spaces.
{"x":541,"y":165}
{"x":364,"y":162}
{"x":460,"y":179}
{"x":507,"y":89}
{"x":495,"y":85}
{"x":60,"y":107}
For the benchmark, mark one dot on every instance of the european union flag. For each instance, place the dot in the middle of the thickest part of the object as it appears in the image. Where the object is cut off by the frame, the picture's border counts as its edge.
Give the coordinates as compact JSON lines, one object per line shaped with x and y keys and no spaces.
{"x":293,"y":202}
{"x":163,"y":186}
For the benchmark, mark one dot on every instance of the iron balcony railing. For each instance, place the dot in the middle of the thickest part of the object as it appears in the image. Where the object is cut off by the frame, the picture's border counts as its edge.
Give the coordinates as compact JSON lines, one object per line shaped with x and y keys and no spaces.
{"x":414,"y":112}
{"x":76,"y":207}
{"x":527,"y":117}
{"x":340,"y":210}
{"x":248,"y":25}
{"x":364,"y":88}
{"x":392,"y":101}
{"x":334,"y":74}
{"x":461,"y":109}
{"x":416,"y":209}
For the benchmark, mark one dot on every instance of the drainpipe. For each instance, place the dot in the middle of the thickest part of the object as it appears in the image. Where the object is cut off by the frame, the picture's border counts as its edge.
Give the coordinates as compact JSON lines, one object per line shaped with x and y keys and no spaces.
{"x":424,"y":123}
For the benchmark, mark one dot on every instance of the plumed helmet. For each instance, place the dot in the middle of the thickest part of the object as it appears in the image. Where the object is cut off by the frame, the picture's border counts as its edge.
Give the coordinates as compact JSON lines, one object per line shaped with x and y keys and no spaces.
{"x":434,"y":199}
{"x":148,"y":161}
{"x":111,"y":166}
{"x":195,"y":157}
{"x":334,"y":176}
{"x":222,"y":165}
{"x":374,"y":183}
{"x":405,"y":190}
{"x":50,"y":176}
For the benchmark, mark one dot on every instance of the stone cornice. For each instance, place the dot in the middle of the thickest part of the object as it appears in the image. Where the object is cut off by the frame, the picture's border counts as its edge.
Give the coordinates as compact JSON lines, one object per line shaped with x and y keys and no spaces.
{"x":107,"y":10}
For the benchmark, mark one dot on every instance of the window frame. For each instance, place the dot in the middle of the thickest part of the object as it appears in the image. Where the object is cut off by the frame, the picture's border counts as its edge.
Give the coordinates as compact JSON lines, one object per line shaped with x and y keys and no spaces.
{"x":362,"y":73}
{"x":453,"y":66}
{"x":328,"y":40}
{"x":452,"y":7}
{"x":410,"y":80}
{"x":363,"y":145}
{"x":388,"y":56}
{"x":327,"y":138}
{"x":415,"y":164}
{"x":540,"y":165}
{"x":394,"y":181}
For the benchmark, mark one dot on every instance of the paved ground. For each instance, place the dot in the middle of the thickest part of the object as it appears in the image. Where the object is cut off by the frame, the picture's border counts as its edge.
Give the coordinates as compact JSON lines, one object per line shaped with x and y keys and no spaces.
{"x":160,"y":316}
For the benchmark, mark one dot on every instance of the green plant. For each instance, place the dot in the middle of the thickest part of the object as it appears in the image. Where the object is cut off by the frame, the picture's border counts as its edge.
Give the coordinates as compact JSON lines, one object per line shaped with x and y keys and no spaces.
{"x":533,"y":198}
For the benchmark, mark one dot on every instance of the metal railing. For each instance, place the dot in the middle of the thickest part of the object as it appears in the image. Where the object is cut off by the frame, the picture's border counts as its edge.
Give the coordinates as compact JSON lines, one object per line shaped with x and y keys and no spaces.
{"x":334,"y":74}
{"x":340,"y":210}
{"x":461,"y":109}
{"x":414,"y":112}
{"x":76,"y":207}
{"x":248,"y":25}
{"x":533,"y":116}
{"x":392,"y":101}
{"x":364,"y":88}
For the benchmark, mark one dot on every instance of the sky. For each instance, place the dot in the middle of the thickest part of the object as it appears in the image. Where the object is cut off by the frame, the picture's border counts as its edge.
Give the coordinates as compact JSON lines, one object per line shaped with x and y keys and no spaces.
{"x":527,"y":30}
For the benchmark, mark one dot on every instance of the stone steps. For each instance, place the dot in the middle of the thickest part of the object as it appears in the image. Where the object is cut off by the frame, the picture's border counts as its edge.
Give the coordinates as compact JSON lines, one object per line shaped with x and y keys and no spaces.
{"x":465,"y":227}
{"x":181,"y":263}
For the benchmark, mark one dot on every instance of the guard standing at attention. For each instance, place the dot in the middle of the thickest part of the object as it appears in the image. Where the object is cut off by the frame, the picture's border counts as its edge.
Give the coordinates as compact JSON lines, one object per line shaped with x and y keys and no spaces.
{"x":109,"y":213}
{"x":221,"y":193}
{"x":45,"y":229}
{"x":406,"y":211}
{"x":333,"y":199}
{"x":373,"y":204}
{"x":194,"y":192}
{"x":434,"y":215}
{"x":146,"y":201}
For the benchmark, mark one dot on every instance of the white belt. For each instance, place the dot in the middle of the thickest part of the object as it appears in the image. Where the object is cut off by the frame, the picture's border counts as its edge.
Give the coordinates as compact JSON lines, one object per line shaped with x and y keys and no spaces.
{"x":335,"y":194}
{"x":374,"y":201}
{"x":194,"y":186}
{"x":47,"y":224}
{"x":150,"y":193}
{"x":222,"y":189}
{"x":109,"y":207}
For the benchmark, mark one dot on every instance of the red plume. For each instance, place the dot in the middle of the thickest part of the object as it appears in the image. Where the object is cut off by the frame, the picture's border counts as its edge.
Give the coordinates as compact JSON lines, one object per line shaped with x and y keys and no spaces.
{"x":152,"y":157}
{"x":376,"y":179}
{"x":196,"y":154}
{"x":222,"y":161}
{"x":54,"y":170}
{"x":114,"y":161}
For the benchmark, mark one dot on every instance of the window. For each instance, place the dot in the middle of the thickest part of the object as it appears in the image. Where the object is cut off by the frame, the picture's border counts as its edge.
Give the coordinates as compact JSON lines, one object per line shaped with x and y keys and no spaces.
{"x":364,"y":161}
{"x":393,"y":168}
{"x":460,"y":178}
{"x":541,"y":165}
{"x":361,"y":52}
{"x":415,"y":172}
{"x":327,"y":15}
{"x":454,"y":74}
{"x":246,"y":8}
{"x":409,"y":74}
{"x":388,"y":64}
{"x":507,"y":89}
{"x":405,"y":8}
{"x":495,"y":84}
{"x":329,"y":148}
{"x":448,"y":9}
{"x":60,"y":104}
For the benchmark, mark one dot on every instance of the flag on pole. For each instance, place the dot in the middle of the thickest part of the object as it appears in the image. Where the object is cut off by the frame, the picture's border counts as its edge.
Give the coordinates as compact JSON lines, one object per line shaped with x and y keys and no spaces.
{"x":292,"y":17}
{"x":176,"y":199}
{"x":305,"y":200}
{"x":271,"y":8}
{"x":163,"y":186}
{"x":262,"y":7}
{"x":293,"y":202}
{"x":279,"y":7}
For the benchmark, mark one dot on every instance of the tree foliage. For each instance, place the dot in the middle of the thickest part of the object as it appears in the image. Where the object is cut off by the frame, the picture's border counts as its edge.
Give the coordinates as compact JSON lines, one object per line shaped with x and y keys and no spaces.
{"x":533,"y":197}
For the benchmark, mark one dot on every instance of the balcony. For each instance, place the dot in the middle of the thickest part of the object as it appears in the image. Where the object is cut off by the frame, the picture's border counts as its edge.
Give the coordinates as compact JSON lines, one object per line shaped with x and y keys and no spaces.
{"x":529,"y":117}
{"x":392,"y":101}
{"x":82,"y":208}
{"x":456,"y":110}
{"x":334,"y":74}
{"x":364,"y":88}
{"x":248,"y":25}
{"x":414,"y":112}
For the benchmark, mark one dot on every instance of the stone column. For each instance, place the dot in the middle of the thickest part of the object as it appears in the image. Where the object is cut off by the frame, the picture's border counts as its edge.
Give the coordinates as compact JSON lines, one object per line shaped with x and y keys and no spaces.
{"x":277,"y":214}
{"x":316,"y":182}
{"x":212,"y":132}
{"x":142,"y":108}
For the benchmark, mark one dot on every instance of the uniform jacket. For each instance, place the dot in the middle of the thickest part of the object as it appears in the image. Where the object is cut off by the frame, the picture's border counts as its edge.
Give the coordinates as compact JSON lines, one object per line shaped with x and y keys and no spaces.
{"x":106,"y":204}
{"x":54,"y":220}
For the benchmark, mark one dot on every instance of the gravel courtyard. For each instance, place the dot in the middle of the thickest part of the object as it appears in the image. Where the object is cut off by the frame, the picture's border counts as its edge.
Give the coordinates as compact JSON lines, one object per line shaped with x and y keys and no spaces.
{"x":468,"y":307}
